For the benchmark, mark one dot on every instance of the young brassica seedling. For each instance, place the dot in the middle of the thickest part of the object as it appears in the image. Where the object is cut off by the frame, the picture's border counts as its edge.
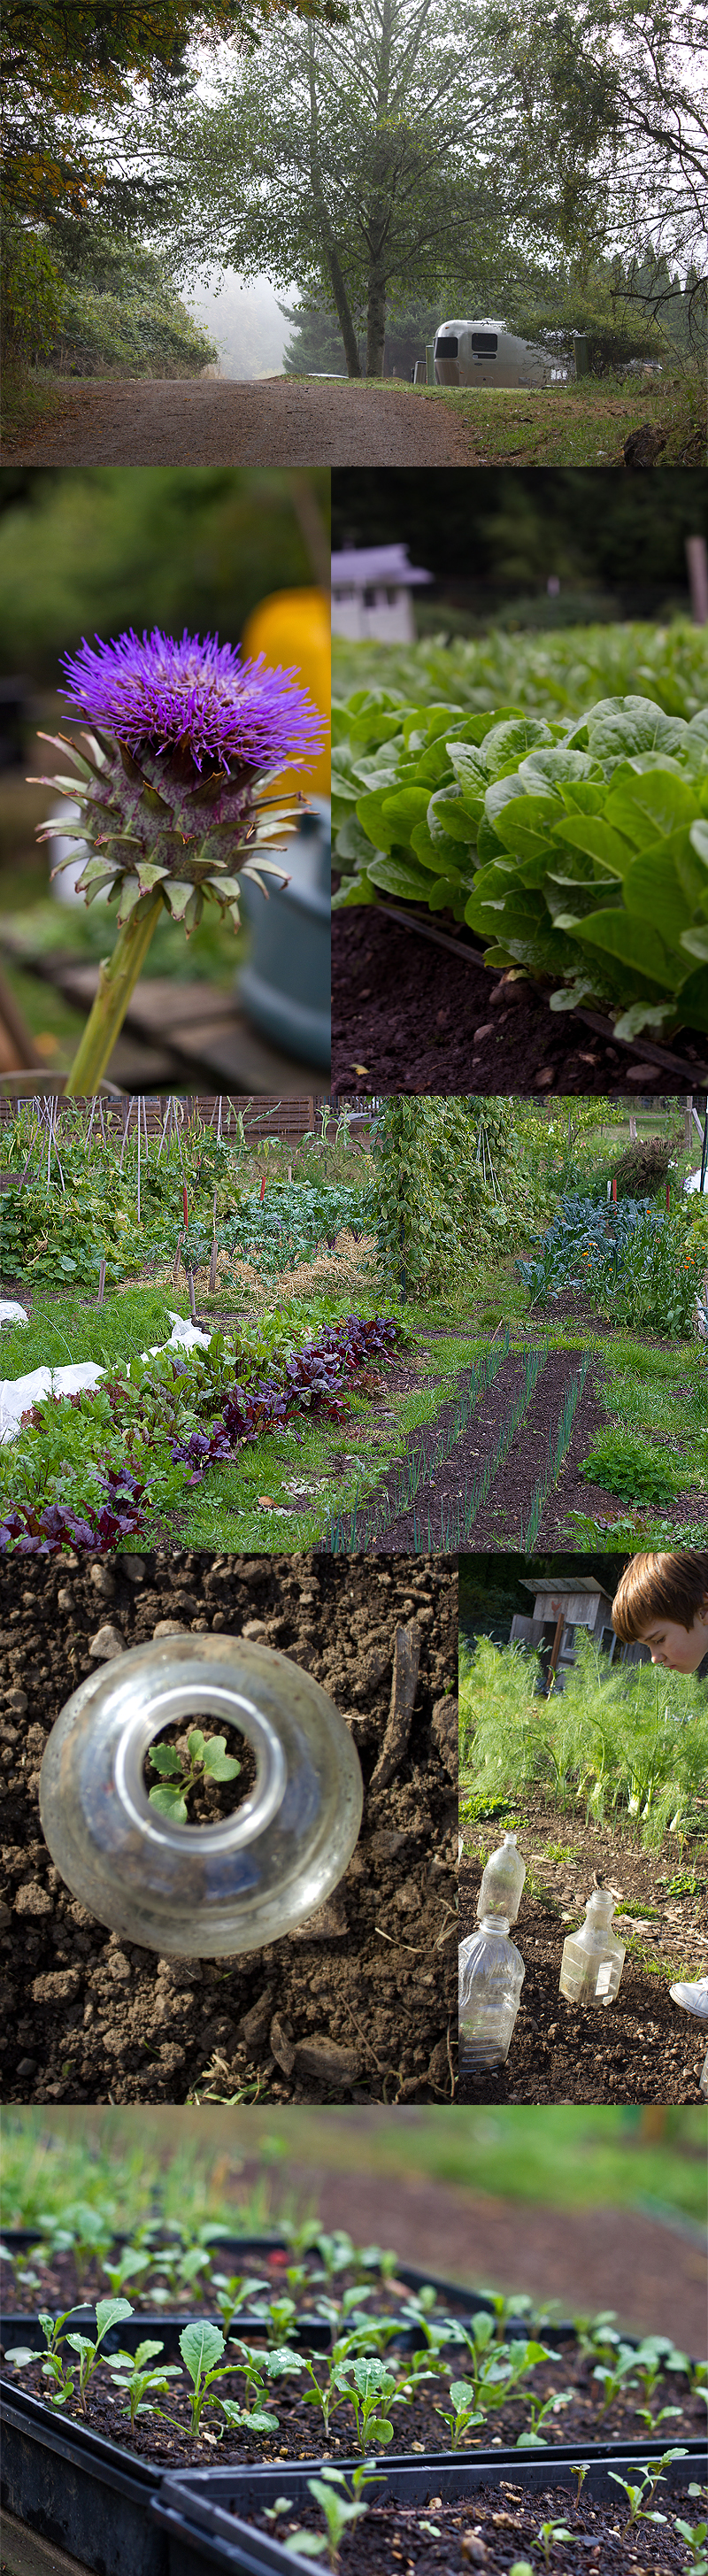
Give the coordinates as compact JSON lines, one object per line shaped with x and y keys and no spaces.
{"x":540,"y":2411}
{"x":695,"y":2536}
{"x":129,"y":2263}
{"x":651,"y":2478}
{"x":462,"y":2413}
{"x":256,"y":2368}
{"x":616,"y":2376}
{"x":369,"y":2386}
{"x":339,"y":2510}
{"x":548,"y":2534}
{"x":233,"y":2294}
{"x":206,"y":1758}
{"x":137,"y":2382}
{"x":109,"y":2312}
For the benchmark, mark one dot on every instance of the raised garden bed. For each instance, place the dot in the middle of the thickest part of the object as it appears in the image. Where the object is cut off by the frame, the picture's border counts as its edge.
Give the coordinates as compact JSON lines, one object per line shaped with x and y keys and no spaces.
{"x":409,"y":1014}
{"x":114,"y":2024}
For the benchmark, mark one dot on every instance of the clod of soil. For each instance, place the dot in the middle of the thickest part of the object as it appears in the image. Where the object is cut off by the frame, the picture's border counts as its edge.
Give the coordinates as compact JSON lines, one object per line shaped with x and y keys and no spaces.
{"x":409,"y":1016}
{"x":359,"y":2003}
{"x":641,"y":2048}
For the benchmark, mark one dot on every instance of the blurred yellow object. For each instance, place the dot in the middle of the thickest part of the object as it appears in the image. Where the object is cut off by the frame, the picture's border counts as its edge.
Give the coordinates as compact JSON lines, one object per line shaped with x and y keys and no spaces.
{"x":292,"y":629}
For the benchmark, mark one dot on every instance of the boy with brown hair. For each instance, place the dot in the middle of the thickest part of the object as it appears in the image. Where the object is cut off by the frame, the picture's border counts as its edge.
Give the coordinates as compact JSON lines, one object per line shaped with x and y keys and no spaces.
{"x":662,"y":1602}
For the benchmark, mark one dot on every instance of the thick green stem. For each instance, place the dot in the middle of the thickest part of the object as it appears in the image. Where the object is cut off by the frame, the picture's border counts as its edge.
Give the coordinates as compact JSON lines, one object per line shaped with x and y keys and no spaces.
{"x":116,"y":981}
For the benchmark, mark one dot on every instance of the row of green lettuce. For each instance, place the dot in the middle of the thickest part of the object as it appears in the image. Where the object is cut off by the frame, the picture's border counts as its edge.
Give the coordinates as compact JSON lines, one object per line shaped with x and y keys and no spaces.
{"x":575,"y":846}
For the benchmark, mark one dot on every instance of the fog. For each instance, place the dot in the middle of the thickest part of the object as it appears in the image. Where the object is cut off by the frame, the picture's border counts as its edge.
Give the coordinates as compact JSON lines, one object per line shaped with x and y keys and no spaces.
{"x":245,"y":322}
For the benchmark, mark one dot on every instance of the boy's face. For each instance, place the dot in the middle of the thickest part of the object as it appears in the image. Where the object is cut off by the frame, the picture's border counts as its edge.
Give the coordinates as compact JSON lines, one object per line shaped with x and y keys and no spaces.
{"x":679,"y":1649}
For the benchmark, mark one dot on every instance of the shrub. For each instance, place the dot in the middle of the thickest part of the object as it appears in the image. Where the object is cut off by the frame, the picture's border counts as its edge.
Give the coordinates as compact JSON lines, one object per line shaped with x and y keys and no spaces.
{"x":32,"y":299}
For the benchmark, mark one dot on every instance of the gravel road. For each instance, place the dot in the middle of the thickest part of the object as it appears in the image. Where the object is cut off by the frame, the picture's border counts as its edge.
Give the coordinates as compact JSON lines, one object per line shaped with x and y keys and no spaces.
{"x":207,"y":421}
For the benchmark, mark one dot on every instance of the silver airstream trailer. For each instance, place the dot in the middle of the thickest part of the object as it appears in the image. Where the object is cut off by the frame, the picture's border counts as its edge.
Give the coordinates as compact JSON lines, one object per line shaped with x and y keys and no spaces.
{"x":485,"y":353}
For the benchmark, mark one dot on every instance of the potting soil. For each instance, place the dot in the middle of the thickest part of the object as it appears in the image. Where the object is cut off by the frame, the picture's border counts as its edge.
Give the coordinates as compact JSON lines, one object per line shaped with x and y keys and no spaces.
{"x":417,"y":2428}
{"x":494,"y":2528}
{"x":360,"y":2004}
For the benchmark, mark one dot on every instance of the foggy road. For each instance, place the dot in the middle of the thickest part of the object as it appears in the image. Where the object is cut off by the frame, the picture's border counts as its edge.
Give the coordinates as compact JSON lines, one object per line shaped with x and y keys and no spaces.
{"x":213,"y":421}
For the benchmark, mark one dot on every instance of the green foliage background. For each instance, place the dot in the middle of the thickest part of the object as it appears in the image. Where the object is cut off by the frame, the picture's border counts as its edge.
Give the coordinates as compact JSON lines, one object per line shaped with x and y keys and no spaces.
{"x":106,"y":547}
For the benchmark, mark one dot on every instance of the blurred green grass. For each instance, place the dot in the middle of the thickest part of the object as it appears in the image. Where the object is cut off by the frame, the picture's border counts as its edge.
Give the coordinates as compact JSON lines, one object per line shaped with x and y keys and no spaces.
{"x":564,"y":2157}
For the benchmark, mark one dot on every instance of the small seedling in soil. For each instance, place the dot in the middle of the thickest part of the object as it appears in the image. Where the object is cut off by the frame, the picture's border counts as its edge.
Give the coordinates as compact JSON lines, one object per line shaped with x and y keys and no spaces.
{"x":579,"y":2471}
{"x":234,"y":2293}
{"x":201,"y":2347}
{"x":533,"y":2440}
{"x":369,"y":2386}
{"x":695,"y":2536}
{"x":109,"y":2312}
{"x":339,"y":2510}
{"x":463,"y":2415}
{"x":141,"y":2382}
{"x":206,"y":1758}
{"x":640,"y":2511}
{"x":548,"y":2534}
{"x":612,"y":2380}
{"x":129,"y":2263}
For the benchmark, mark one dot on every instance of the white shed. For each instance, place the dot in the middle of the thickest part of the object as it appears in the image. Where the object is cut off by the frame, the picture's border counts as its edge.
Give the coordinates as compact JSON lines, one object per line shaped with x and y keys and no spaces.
{"x":371,"y":593}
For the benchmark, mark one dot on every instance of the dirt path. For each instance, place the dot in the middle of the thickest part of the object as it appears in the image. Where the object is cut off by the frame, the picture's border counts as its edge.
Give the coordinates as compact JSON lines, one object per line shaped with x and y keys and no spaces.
{"x":277,"y":422}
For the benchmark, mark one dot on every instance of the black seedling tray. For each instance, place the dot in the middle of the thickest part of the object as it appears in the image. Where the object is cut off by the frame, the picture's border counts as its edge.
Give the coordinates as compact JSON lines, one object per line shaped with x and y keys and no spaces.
{"x":80,"y":2493}
{"x":88,"y":2496}
{"x":202,"y":2512}
{"x":315,"y":2334}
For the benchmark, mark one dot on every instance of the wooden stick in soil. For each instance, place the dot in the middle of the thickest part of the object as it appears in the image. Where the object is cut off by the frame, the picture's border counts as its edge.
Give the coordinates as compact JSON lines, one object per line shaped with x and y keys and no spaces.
{"x":406,"y":1659}
{"x":101,"y":1282}
{"x":212,"y":1264}
{"x":178,"y":1257}
{"x":190,"y":1285}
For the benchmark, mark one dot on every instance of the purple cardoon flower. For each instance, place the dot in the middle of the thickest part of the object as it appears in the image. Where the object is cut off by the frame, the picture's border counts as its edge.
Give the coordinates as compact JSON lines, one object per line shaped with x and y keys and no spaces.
{"x":158,"y":693}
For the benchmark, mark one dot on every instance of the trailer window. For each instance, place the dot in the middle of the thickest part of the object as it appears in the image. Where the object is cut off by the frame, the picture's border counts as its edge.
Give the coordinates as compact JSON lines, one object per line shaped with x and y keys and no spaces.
{"x":446,"y":348}
{"x":484,"y":344}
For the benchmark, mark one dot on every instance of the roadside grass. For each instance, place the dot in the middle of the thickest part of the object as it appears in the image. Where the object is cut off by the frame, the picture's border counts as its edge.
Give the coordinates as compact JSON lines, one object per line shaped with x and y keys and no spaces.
{"x":579,"y":424}
{"x":30,"y":403}
{"x":563,"y":2157}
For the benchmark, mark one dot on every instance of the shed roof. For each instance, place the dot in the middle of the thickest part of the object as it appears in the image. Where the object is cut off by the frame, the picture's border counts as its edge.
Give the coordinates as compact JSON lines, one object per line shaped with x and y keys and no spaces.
{"x":360,"y":567}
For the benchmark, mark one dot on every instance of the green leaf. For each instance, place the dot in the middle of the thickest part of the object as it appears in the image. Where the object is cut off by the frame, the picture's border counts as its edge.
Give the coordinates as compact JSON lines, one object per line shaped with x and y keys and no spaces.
{"x":654,"y":802}
{"x":201,"y":2346}
{"x":436,"y":853}
{"x":169,"y":1803}
{"x":111,"y":2312}
{"x":449,"y":816}
{"x":596,"y":837}
{"x":165,"y":1758}
{"x":619,"y":727}
{"x":195,"y":1744}
{"x":653,"y":888}
{"x":400,"y":877}
{"x":505,"y":744}
{"x":634,"y":943}
{"x":220,"y":1764}
{"x":525,"y":823}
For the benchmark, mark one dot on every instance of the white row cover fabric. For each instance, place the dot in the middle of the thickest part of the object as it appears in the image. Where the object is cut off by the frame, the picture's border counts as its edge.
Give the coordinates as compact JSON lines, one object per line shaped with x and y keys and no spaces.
{"x":18,"y":1393}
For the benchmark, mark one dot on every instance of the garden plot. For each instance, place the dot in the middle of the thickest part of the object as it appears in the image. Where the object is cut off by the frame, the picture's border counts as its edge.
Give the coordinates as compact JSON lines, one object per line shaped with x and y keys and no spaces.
{"x":604,"y":1782}
{"x":643,"y":2049}
{"x":347,"y":2007}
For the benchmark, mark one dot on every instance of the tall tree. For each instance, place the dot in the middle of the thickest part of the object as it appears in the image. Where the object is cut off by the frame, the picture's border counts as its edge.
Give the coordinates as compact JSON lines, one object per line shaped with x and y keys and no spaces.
{"x":366,"y":162}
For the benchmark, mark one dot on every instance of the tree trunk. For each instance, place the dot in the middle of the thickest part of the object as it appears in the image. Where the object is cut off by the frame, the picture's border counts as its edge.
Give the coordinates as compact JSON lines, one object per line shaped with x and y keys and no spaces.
{"x":376,"y":324}
{"x":327,"y":241}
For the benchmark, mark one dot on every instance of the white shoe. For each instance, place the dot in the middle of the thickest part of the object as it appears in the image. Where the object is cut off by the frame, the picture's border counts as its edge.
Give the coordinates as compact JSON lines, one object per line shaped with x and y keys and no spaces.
{"x":693,"y":1999}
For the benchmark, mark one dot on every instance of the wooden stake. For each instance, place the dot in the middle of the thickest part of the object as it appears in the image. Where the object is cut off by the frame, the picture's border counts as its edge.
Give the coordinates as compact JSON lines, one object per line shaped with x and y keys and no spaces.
{"x":190,"y":1285}
{"x":178,"y":1257}
{"x":102,"y":1281}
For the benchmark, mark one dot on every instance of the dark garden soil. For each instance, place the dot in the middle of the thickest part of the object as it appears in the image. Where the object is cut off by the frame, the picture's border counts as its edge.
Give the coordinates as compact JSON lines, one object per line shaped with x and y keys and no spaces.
{"x":67,"y":2279}
{"x":300,"y":2433}
{"x":496,"y":2527}
{"x":641,"y":2048}
{"x":348,"y":2006}
{"x":437,"y":1515}
{"x":409,"y":1016}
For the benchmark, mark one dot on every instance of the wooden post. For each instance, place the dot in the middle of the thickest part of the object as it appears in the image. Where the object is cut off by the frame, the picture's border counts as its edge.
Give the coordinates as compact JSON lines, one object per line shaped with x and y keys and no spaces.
{"x":212,"y":1264}
{"x":178,"y":1257}
{"x":102,"y":1281}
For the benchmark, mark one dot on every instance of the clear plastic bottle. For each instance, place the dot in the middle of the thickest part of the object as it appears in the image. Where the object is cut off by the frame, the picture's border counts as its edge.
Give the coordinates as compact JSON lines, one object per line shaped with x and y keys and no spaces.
{"x":491,"y":1977}
{"x":502,"y":1881}
{"x":201,"y":1891}
{"x":593,"y":1958}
